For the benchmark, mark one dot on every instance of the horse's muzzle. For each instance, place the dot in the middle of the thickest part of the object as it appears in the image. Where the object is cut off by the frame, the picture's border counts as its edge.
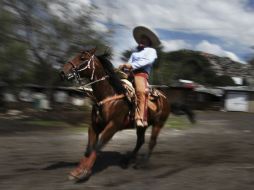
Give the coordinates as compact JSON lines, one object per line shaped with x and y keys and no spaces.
{"x":68,"y":76}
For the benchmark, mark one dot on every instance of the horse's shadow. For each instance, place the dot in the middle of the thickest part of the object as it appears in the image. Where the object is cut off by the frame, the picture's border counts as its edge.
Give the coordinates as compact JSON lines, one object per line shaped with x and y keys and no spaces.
{"x":104,"y":160}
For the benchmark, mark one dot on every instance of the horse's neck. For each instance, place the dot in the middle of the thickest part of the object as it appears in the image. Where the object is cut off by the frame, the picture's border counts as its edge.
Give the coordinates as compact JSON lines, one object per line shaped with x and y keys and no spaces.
{"x":102,"y":89}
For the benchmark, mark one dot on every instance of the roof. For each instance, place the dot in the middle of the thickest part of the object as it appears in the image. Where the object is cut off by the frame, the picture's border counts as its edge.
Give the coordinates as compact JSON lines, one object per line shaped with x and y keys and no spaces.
{"x":212,"y":91}
{"x":238,"y":88}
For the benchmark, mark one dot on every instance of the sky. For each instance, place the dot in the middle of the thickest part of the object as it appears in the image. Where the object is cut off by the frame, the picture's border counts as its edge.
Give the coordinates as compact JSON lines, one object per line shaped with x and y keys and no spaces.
{"x":221,"y":27}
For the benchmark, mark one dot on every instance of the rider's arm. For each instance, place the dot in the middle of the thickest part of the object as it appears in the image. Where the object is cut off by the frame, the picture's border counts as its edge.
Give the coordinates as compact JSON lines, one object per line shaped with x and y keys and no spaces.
{"x":126,"y":65}
{"x":145,"y":58}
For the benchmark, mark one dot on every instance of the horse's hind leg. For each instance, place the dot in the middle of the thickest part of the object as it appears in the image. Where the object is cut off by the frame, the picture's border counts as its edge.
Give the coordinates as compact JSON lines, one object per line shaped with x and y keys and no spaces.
{"x":153,"y":140}
{"x":155,"y":132}
{"x":140,"y":141}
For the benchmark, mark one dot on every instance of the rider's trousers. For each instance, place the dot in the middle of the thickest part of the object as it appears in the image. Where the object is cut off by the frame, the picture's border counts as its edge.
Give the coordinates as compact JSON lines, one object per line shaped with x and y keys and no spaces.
{"x":141,"y":82}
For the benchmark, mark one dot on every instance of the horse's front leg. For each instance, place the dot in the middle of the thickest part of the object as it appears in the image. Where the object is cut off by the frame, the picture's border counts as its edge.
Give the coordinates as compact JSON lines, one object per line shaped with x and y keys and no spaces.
{"x":86,"y":164}
{"x":92,"y":141}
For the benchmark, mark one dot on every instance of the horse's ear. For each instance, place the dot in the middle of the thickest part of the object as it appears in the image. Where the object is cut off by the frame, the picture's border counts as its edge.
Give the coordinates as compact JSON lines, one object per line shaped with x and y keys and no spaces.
{"x":92,"y":51}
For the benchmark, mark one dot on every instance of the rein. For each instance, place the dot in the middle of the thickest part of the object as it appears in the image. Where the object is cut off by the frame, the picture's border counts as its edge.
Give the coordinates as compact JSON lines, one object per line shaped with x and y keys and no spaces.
{"x":102,"y":102}
{"x":98,"y":80}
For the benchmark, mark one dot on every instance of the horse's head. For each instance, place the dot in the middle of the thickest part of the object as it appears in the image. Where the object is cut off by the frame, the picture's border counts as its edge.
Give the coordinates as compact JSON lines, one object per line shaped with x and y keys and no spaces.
{"x":83,"y":61}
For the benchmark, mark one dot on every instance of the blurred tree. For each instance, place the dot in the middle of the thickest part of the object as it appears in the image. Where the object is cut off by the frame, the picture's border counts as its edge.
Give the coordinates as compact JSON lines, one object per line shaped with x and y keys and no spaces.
{"x":39,"y":36}
{"x":13,"y":57}
{"x":224,"y":80}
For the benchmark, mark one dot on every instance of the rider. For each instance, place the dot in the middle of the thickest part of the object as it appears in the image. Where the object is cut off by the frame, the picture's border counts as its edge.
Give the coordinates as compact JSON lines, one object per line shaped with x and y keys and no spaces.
{"x":141,"y":62}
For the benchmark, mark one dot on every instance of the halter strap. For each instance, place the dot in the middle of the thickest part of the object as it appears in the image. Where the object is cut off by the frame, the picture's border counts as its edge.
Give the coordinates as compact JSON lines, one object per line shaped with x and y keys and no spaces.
{"x":88,"y":66}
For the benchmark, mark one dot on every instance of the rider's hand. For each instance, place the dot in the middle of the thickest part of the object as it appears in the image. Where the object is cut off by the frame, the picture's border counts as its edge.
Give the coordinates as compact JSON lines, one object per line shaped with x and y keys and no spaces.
{"x":121,"y":67}
{"x":128,"y":66}
{"x":125,"y":66}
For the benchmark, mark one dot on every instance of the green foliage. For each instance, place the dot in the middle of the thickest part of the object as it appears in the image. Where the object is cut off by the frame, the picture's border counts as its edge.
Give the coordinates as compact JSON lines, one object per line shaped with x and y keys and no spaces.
{"x":35,"y":41}
{"x":224,"y":80}
{"x":182,"y":65}
{"x":178,"y":122}
{"x":250,"y":80}
{"x":14,"y":62}
{"x":5,"y":27}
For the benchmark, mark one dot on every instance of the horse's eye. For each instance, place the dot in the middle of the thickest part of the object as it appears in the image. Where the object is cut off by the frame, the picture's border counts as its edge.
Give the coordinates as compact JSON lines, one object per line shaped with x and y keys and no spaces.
{"x":82,"y":58}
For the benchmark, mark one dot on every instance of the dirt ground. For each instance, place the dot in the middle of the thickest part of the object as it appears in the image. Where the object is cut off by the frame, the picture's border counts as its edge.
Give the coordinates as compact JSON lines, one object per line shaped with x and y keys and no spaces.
{"x":216,"y":153}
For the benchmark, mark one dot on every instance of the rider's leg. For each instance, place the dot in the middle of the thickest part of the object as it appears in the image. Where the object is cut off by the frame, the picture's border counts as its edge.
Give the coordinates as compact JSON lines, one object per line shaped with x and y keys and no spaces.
{"x":141,"y":92}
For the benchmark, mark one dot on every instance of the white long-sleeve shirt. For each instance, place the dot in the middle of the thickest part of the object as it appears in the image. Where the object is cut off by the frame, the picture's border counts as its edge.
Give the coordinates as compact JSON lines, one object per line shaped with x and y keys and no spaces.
{"x":143,"y":60}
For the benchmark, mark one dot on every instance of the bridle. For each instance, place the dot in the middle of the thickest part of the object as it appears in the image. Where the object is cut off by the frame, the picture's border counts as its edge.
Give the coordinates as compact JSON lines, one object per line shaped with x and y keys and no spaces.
{"x":77,"y":69}
{"x":75,"y":72}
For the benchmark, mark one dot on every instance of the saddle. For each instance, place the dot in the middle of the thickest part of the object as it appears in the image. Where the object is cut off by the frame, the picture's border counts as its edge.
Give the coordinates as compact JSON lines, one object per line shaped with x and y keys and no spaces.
{"x":125,"y":78}
{"x":153,"y":94}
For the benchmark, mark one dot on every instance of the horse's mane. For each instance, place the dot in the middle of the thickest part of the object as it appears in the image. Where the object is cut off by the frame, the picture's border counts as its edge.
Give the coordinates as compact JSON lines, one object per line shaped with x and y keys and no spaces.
{"x":109,"y":69}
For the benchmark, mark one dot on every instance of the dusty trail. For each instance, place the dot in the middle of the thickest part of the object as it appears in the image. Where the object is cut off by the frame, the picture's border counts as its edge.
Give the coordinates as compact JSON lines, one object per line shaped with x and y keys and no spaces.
{"x":217,"y":153}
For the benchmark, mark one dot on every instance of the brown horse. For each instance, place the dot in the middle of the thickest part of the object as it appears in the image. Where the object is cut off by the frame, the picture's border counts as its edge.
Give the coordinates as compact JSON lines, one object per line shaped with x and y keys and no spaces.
{"x":111,"y":110}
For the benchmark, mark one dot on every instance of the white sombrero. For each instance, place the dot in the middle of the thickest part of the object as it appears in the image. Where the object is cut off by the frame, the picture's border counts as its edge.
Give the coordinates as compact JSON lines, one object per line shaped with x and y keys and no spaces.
{"x":139,"y":31}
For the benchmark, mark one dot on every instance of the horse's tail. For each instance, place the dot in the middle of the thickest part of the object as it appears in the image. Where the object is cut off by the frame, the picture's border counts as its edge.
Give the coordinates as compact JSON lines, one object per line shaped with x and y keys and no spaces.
{"x":183,"y":109}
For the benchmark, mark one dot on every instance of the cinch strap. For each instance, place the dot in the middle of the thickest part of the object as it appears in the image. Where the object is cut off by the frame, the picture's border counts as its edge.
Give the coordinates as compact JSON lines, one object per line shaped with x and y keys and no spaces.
{"x":116,"y":97}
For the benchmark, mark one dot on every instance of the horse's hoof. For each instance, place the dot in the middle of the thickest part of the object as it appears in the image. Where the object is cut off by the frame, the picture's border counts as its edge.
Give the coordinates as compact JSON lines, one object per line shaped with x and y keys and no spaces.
{"x":125,"y":164}
{"x":82,"y":176}
{"x":139,"y":166}
{"x":142,"y":164}
{"x":71,"y":178}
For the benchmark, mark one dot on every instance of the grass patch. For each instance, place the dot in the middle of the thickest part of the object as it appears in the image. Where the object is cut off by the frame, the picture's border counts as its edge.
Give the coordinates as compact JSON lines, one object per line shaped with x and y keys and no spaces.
{"x":50,"y":123}
{"x":174,"y":122}
{"x":178,"y":122}
{"x":46,"y":123}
